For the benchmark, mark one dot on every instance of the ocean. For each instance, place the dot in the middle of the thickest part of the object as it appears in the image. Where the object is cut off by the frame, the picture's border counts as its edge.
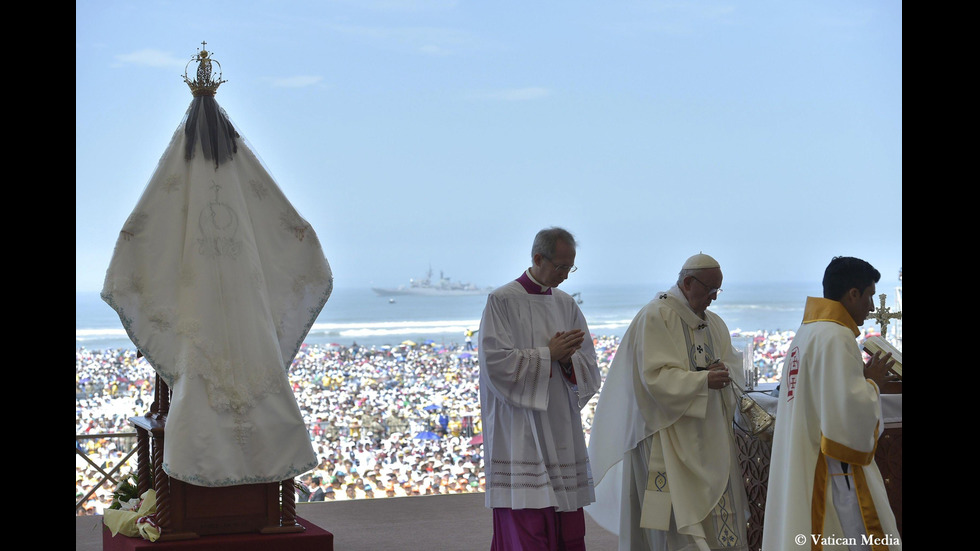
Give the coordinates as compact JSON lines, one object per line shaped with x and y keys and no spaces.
{"x":358,"y":315}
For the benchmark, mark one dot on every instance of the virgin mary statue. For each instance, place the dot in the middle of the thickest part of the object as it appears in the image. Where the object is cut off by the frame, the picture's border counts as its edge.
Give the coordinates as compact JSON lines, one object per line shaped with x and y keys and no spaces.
{"x":217,"y":279}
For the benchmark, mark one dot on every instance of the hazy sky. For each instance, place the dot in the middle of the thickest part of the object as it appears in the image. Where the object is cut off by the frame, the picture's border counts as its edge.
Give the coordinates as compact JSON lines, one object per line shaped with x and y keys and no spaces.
{"x":412,"y":133}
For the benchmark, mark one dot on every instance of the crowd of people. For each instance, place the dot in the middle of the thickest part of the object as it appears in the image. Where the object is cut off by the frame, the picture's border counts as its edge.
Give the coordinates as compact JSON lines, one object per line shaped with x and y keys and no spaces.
{"x":769,"y":350}
{"x":384,"y":421}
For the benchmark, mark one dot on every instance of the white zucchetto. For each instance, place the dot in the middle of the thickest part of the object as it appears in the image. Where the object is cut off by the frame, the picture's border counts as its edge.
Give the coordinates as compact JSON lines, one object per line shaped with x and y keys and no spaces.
{"x":700,"y":261}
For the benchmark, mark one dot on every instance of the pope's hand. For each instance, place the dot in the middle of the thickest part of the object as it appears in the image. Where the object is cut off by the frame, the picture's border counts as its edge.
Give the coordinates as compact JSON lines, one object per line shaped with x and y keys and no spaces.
{"x":718,"y":377}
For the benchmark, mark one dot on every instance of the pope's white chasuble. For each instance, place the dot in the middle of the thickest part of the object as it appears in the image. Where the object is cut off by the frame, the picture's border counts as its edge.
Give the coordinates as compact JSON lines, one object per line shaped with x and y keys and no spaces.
{"x":667,"y":473}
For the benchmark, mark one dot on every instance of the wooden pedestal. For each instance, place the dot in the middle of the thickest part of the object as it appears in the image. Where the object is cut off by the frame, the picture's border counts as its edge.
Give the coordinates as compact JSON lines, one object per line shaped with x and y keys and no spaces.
{"x":186,"y":511}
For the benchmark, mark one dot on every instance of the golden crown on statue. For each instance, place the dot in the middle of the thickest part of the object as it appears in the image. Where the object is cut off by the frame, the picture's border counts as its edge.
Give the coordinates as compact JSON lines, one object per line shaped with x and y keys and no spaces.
{"x":205,"y":84}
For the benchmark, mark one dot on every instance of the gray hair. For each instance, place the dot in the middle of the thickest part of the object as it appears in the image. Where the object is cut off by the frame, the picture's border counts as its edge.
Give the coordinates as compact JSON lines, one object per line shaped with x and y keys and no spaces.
{"x":682,"y":274}
{"x":547,"y":239}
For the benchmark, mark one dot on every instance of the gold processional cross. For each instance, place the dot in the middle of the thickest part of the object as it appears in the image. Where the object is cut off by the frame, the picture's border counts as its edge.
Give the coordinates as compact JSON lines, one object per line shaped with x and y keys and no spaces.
{"x":883,"y":314}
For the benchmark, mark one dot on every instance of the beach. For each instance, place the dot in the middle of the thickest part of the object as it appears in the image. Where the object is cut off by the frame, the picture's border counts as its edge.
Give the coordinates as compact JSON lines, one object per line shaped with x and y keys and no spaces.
{"x":361,"y":316}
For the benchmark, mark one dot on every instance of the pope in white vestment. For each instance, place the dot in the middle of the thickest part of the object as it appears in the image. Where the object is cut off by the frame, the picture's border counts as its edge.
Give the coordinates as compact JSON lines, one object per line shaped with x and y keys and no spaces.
{"x":824,"y":484}
{"x":534,"y":447}
{"x":662,"y":446}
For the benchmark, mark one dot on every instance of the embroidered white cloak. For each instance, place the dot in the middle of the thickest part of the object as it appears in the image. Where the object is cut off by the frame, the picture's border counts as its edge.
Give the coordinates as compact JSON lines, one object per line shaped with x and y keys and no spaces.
{"x":217,"y":280}
{"x":827,"y":413}
{"x":534,"y":447}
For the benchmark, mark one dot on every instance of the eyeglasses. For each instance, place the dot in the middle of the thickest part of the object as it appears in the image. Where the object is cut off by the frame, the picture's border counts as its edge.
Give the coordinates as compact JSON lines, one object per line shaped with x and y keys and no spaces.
{"x":711,"y":290}
{"x":562,"y":267}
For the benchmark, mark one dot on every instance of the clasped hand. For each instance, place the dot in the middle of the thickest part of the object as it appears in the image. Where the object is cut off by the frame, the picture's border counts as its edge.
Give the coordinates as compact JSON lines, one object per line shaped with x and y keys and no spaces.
{"x":565,"y":343}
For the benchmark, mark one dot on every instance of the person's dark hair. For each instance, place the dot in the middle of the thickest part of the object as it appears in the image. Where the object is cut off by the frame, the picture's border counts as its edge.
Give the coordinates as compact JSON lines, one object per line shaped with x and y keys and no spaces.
{"x":316,"y":480}
{"x":845,"y":273}
{"x":546,"y":241}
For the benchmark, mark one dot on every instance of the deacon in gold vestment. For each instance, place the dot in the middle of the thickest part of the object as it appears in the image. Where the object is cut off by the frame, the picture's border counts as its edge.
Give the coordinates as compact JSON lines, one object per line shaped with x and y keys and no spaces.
{"x":825,"y":490}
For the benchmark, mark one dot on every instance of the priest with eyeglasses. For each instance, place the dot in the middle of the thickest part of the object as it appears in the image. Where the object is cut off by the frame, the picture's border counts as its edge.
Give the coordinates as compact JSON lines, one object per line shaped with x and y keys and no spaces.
{"x":538,"y":369}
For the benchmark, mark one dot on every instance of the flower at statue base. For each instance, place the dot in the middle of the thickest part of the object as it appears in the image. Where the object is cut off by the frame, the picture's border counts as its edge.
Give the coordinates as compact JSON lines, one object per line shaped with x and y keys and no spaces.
{"x":135,"y":523}
{"x":130,"y":505}
{"x":126,"y":497}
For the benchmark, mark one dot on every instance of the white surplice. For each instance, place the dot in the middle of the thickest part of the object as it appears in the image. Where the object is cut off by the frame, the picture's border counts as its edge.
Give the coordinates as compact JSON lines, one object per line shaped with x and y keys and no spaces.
{"x":666,"y":465}
{"x":217,"y":280}
{"x":534,"y":448}
{"x":828,"y":413}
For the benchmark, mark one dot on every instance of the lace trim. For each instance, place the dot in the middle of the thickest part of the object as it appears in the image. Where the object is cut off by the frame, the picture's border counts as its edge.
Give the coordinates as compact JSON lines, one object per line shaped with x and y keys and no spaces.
{"x":558,"y":477}
{"x":520,"y":366}
{"x":197,"y":480}
{"x":537,"y":372}
{"x":524,"y":360}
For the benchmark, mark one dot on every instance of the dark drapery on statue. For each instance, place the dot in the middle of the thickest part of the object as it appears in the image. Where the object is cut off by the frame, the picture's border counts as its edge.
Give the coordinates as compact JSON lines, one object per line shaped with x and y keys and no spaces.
{"x":208,"y":125}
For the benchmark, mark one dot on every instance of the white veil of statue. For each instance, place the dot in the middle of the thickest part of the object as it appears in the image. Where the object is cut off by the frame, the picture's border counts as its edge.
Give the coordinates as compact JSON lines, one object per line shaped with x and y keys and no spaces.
{"x":217,"y":279}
